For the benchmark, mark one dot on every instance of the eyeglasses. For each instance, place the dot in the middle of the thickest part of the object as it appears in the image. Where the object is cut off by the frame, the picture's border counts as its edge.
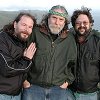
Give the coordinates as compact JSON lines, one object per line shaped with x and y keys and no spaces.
{"x":78,"y":23}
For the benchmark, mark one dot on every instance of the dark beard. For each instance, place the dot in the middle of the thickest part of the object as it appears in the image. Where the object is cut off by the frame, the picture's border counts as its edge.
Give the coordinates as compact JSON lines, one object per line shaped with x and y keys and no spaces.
{"x":85,"y":33}
{"x":81,"y":37}
{"x":22,"y":39}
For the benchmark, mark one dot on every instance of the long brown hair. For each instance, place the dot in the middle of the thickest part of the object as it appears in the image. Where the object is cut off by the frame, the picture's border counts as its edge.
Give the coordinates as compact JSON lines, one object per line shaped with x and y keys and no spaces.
{"x":9,"y":28}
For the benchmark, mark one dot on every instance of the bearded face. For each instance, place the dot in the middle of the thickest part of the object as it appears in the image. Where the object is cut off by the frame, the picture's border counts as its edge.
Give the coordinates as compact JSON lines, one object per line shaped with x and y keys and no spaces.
{"x":82,"y":25}
{"x":23,"y":28}
{"x":56,"y":24}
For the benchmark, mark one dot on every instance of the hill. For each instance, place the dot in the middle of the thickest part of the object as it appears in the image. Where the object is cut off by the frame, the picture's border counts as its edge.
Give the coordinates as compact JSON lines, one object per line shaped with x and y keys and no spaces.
{"x":96,"y":16}
{"x":8,"y":16}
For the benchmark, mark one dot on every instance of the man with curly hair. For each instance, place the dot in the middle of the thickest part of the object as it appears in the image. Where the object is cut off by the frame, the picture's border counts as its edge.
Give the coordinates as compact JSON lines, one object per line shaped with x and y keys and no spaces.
{"x":85,"y":86}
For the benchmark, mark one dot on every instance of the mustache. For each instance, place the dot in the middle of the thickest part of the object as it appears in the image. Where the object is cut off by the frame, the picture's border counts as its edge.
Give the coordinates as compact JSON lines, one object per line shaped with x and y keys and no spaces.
{"x":82,"y":27}
{"x":55,"y":26}
{"x":24,"y":32}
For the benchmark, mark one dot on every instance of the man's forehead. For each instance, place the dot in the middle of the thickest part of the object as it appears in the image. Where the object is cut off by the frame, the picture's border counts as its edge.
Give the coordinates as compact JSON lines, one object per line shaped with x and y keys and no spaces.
{"x":59,"y":10}
{"x":82,"y":17}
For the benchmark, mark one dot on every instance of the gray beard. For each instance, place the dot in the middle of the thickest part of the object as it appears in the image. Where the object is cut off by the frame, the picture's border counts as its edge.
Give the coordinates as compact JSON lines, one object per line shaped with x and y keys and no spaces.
{"x":55,"y":31}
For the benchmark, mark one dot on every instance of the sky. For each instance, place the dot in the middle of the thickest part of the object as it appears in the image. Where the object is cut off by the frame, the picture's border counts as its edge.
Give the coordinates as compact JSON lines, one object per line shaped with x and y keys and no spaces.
{"x":12,"y":5}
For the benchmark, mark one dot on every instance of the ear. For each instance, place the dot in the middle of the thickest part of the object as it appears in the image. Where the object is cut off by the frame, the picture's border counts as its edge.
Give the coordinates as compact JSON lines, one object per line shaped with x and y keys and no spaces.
{"x":15,"y":24}
{"x":91,"y":24}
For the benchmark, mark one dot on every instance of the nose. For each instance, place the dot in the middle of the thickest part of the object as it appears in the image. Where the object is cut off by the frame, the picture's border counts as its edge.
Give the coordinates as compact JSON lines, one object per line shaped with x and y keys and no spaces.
{"x":81,"y":24}
{"x":26,"y":28}
{"x":57,"y":21}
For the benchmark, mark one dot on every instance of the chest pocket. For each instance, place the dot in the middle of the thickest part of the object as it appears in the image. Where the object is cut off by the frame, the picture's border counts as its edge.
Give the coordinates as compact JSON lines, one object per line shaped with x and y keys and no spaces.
{"x":91,"y":55}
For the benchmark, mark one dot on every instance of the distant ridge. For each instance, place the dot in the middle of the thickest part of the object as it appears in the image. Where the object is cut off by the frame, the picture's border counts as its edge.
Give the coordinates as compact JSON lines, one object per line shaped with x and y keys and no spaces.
{"x":8,"y":16}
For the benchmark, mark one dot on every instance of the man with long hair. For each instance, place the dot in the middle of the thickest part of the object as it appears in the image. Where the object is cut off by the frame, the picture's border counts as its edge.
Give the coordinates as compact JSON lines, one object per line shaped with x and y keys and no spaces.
{"x":15,"y":57}
{"x":54,"y":60}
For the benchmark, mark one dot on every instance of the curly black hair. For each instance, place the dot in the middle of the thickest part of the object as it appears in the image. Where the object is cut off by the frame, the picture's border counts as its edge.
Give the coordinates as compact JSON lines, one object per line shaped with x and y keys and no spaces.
{"x":85,"y":11}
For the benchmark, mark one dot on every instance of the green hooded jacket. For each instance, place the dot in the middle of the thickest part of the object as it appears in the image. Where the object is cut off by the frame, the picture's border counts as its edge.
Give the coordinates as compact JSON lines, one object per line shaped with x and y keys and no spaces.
{"x":54,"y":61}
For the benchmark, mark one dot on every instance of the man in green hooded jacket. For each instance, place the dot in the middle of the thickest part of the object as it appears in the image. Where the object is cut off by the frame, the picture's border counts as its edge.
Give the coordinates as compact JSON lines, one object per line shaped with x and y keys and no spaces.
{"x":55,"y":58}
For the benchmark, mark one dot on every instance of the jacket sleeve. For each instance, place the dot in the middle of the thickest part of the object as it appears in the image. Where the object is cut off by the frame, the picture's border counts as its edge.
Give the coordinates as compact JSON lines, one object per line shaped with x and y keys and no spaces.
{"x":32,"y":37}
{"x":10,"y":66}
{"x":72,"y":61}
{"x":71,"y":71}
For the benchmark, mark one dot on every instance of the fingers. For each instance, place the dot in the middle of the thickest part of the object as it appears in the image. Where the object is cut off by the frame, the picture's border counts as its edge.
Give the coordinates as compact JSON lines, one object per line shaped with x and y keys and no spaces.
{"x":26,"y":84}
{"x":30,"y":51}
{"x":31,"y":47}
{"x":64,"y":85}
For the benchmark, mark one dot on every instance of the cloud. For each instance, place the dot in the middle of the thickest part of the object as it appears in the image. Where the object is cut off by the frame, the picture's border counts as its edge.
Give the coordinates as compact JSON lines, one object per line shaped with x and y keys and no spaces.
{"x":46,"y":4}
